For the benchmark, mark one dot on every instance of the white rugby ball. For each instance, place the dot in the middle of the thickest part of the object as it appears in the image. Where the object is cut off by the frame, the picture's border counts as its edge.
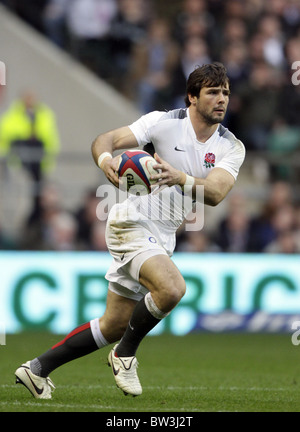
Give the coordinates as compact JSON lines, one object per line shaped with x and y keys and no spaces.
{"x":136,"y":168}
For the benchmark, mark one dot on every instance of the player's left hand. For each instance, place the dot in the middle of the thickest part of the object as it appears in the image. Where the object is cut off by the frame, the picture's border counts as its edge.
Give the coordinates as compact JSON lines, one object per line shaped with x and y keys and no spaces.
{"x":168,"y":175}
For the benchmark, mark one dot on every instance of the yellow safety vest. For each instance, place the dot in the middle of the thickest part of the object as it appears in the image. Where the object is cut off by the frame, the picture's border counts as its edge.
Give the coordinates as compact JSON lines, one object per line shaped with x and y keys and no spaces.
{"x":15,"y":125}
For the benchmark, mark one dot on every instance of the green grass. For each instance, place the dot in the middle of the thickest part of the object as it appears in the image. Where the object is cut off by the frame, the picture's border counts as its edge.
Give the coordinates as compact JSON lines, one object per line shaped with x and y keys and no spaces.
{"x":195,"y":373}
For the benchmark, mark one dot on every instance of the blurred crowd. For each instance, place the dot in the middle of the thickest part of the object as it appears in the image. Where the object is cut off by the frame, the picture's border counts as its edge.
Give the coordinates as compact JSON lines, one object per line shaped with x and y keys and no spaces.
{"x":146,"y":49}
{"x":275,"y":228}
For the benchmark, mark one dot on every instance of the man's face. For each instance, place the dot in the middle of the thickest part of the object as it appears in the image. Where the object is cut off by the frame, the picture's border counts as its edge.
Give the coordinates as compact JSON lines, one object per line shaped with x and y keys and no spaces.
{"x":212,"y":103}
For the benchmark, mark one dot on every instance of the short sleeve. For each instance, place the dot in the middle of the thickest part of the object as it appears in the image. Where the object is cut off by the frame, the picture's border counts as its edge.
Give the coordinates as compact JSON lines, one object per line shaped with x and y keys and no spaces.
{"x":233,"y":158}
{"x":141,"y":128}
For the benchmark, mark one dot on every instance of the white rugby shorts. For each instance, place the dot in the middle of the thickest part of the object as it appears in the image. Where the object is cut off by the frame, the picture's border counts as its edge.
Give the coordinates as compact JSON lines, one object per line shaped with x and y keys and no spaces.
{"x":132,"y":239}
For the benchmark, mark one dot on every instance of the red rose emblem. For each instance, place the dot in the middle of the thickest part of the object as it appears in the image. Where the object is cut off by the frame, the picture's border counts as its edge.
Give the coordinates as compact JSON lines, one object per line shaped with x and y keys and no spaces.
{"x":209,"y":160}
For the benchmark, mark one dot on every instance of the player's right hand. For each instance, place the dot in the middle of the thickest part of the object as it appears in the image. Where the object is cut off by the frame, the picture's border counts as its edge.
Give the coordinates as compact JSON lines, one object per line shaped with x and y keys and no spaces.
{"x":110,"y":167}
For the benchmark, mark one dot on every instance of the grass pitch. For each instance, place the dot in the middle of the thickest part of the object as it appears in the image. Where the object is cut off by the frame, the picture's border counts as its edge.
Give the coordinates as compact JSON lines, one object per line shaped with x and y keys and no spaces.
{"x":195,"y":373}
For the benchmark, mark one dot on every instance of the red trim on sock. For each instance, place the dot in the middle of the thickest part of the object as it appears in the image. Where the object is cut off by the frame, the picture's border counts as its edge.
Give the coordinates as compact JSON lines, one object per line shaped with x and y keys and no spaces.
{"x":74,"y":332}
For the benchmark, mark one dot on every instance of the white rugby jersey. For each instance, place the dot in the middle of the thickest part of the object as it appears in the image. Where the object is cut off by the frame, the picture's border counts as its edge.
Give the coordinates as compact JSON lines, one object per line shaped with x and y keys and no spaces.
{"x":174,"y":140}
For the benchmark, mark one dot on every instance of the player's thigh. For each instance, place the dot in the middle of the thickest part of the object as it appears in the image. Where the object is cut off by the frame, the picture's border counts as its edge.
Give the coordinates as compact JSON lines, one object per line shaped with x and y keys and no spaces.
{"x":117,"y":314}
{"x":163,"y":279}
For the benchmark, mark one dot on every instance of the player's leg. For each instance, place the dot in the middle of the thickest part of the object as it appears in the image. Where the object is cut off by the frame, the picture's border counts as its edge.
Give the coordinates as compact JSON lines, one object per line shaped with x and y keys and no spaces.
{"x":166,"y":287}
{"x":163,"y":279}
{"x":83,"y":340}
{"x":117,"y":314}
{"x":88,"y":337}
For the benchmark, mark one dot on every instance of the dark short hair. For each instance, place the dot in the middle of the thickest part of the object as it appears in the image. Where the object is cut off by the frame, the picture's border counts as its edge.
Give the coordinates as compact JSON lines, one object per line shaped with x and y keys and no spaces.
{"x":208,"y":75}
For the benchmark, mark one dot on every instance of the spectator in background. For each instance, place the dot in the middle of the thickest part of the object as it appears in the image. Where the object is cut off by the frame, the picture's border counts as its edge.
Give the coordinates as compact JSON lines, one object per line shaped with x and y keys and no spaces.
{"x":234,"y":9}
{"x":235,"y":59}
{"x":269,"y":27}
{"x":230,"y":11}
{"x":86,"y":217}
{"x":256,"y":49}
{"x":153,"y":63}
{"x":283,"y":140}
{"x":290,"y":17}
{"x":88,"y":24}
{"x":192,"y":19}
{"x":297,"y":218}
{"x":56,"y":228}
{"x":35,"y":234}
{"x":128,"y":28}
{"x":193,"y":53}
{"x":257,"y":40}
{"x":234,"y":231}
{"x":286,"y":239}
{"x":292,"y":49}
{"x":29,"y":136}
{"x":62,"y":232}
{"x":97,"y":240}
{"x":284,"y":219}
{"x":234,"y":32}
{"x":254,"y":10}
{"x":286,"y":243}
{"x":7,"y":242}
{"x":280,"y":196}
{"x":269,"y":231}
{"x":289,"y":94}
{"x":54,"y":22}
{"x":257,"y":104}
{"x":196,"y":241}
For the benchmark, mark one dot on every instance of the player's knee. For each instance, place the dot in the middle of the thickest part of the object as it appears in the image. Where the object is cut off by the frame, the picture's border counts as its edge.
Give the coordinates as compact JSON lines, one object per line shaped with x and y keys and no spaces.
{"x":175,"y":292}
{"x":181,"y":289}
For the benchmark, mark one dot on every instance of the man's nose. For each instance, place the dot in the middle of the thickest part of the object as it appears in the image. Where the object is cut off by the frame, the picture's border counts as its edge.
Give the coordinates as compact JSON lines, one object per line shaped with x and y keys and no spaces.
{"x":221,"y":98}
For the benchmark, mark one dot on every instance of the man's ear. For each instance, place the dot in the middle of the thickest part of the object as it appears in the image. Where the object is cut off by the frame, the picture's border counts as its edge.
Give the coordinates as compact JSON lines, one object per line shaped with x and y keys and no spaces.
{"x":192,"y":99}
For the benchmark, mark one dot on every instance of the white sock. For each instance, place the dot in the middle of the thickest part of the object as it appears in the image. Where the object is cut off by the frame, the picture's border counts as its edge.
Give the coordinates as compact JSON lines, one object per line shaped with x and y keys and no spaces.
{"x":152,"y":308}
{"x":97,"y":335}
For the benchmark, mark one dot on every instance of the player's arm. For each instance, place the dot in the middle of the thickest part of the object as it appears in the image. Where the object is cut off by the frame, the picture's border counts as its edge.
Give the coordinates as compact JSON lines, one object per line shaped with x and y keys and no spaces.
{"x":216,"y":185}
{"x":104,"y":146}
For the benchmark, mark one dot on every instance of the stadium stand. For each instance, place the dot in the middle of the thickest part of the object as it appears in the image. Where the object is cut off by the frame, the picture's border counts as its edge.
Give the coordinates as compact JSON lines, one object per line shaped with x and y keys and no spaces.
{"x":257,"y":40}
